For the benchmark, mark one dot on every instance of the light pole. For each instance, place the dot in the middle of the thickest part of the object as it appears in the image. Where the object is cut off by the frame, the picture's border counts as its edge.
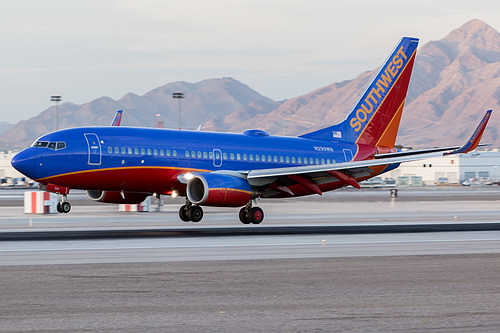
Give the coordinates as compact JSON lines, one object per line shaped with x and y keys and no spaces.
{"x":179,"y":96}
{"x":57,"y":99}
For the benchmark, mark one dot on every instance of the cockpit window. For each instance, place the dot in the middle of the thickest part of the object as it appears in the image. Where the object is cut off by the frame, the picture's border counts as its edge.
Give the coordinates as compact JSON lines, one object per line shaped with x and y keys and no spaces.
{"x":40,"y":144}
{"x":50,"y":145}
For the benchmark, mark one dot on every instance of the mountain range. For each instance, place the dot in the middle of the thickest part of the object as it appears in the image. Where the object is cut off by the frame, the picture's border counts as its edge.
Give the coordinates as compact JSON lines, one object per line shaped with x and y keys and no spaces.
{"x":455,"y":80}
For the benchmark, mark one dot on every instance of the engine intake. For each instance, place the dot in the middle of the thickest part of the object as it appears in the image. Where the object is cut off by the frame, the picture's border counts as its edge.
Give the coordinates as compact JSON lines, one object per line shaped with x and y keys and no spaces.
{"x":213,"y":189}
{"x":116,"y":197}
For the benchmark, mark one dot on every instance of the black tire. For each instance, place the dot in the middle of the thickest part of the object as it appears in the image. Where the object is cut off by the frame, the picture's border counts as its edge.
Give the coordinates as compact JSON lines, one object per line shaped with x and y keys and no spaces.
{"x":256,"y":215}
{"x":183,"y":214}
{"x":195,"y":213}
{"x":243,"y":216}
{"x":59,"y":209}
{"x":65,"y":207}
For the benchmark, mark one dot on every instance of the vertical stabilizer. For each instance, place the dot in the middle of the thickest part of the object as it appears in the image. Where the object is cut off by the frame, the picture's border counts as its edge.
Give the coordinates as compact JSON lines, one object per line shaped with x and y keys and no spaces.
{"x":117,"y":119}
{"x":375,"y":118}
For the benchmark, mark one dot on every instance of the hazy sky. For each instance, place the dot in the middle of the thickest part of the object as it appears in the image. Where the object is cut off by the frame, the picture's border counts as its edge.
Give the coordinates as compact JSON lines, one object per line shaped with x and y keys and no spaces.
{"x":83,"y":50}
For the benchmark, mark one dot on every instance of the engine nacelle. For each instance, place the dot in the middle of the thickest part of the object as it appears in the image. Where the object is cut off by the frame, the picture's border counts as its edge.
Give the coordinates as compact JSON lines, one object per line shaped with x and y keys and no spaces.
{"x":213,"y":189}
{"x":116,"y":197}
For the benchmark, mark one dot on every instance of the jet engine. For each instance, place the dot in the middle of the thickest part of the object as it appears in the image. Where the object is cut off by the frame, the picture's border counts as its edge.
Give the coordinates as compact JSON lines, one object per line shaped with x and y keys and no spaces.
{"x":214,"y":189}
{"x":116,"y":197}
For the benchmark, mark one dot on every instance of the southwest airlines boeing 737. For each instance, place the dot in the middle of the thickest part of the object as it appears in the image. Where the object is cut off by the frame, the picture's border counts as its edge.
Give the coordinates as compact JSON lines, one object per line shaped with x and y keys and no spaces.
{"x":125,"y":164}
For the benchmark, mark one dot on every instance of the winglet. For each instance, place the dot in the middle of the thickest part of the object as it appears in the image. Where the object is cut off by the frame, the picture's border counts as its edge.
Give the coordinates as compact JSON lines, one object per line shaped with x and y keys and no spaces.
{"x":117,"y":119}
{"x":473,"y":141}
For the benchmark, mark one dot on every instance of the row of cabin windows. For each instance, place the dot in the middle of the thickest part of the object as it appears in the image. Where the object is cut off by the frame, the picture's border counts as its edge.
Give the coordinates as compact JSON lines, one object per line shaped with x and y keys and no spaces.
{"x":142,"y":151}
{"x":232,"y":156}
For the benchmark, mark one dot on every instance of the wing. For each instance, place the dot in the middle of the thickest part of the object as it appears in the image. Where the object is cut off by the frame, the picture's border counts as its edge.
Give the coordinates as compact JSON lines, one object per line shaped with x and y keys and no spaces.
{"x":310,"y":176}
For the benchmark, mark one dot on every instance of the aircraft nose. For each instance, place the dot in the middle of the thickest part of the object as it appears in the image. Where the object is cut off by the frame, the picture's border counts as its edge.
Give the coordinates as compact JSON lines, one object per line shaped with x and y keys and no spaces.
{"x":24,"y":162}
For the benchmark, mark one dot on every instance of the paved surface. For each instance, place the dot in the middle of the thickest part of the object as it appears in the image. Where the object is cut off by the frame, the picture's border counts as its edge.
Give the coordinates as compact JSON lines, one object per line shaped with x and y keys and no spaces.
{"x":451,"y":293}
{"x":360,"y":282}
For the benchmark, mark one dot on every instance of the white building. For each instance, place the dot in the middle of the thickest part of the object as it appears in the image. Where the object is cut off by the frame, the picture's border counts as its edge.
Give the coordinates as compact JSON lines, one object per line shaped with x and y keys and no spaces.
{"x":480,"y":167}
{"x":6,"y":169}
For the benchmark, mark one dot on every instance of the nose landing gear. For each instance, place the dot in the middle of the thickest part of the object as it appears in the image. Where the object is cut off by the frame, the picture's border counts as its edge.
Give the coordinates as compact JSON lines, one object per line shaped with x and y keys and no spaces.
{"x":64,"y":206}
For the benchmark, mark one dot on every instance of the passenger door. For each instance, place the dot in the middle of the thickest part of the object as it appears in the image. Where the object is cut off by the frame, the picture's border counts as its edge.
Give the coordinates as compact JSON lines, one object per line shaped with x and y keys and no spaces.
{"x":94,"y":149}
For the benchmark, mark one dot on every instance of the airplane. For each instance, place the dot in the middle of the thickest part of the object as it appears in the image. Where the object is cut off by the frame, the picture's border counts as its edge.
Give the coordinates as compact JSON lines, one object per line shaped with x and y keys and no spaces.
{"x":117,"y":164}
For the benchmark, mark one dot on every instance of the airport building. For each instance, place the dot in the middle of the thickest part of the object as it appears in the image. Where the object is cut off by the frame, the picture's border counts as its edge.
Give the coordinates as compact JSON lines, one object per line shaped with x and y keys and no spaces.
{"x":478,"y":167}
{"x":9,"y":175}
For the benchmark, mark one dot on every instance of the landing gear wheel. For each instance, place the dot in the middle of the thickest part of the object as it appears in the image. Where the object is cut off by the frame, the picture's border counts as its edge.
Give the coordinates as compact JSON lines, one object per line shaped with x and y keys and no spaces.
{"x":195,"y":213}
{"x":243,"y":216}
{"x":256,"y":215}
{"x":59,"y":209}
{"x":65,"y":207}
{"x":183,"y":213}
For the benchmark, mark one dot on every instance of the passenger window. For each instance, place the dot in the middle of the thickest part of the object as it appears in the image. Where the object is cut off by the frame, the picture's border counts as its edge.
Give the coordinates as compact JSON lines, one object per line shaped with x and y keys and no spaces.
{"x":299,"y":160}
{"x":161,"y":152}
{"x":136,"y":151}
{"x":224,"y":156}
{"x":317,"y":161}
{"x":305,"y":160}
{"x":238,"y":157}
{"x":281,"y":159}
{"x":275,"y":159}
{"x":117,"y":150}
{"x":198,"y":154}
{"x":174,"y":153}
{"x":149,"y":152}
{"x":231,"y":156}
{"x":143,"y":151}
{"x":193,"y":154}
{"x":123,"y":150}
{"x":311,"y":161}
{"x":322,"y":161}
{"x":269,"y":158}
{"x":251,"y":157}
{"x":293,"y":159}
{"x":110,"y":150}
{"x":155,"y":152}
{"x":205,"y":155}
{"x":257,"y":158}
{"x":328,"y":161}
{"x":211,"y":155}
{"x":187,"y":153}
{"x":167,"y":152}
{"x":244,"y":157}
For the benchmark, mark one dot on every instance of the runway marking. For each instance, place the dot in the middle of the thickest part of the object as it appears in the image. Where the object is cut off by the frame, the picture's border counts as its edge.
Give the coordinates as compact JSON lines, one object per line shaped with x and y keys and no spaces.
{"x":319,"y":244}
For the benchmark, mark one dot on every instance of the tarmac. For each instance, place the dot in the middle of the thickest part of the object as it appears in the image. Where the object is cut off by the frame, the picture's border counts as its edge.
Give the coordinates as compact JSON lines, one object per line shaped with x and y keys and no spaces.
{"x":349,"y":261}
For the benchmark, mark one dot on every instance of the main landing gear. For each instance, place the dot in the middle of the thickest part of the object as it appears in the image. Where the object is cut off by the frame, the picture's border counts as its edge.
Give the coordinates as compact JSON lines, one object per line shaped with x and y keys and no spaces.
{"x":64,"y":206}
{"x":190,"y":212}
{"x":249,"y":214}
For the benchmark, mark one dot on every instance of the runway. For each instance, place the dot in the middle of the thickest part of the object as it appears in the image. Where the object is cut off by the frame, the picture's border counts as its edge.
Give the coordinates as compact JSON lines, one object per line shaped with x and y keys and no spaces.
{"x":428,"y":261}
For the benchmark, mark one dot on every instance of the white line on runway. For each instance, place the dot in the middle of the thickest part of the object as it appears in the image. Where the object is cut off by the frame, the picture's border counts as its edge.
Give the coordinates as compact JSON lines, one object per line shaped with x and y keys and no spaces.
{"x":250,"y":245}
